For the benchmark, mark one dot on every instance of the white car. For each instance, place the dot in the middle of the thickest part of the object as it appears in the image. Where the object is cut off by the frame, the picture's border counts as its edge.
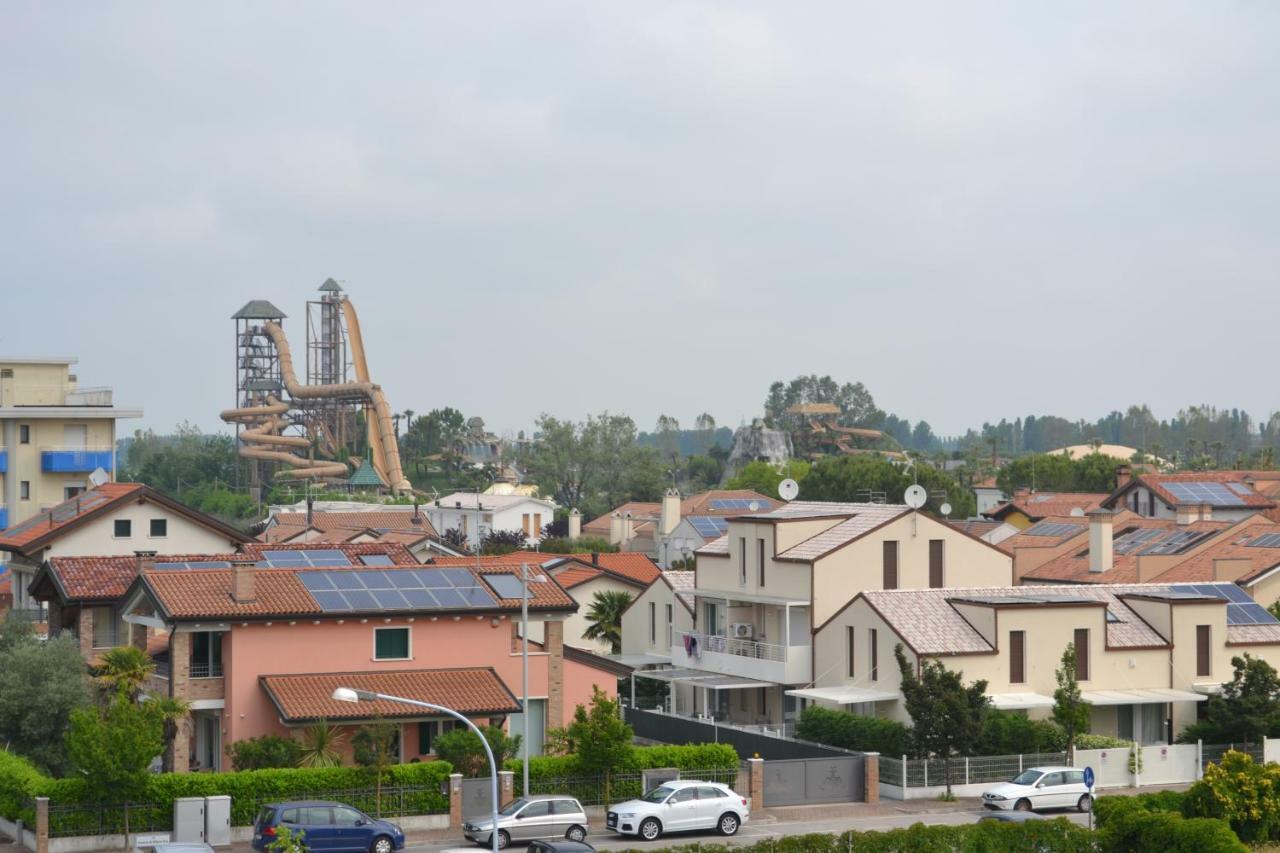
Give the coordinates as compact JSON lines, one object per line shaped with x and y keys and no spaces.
{"x":679,"y":807}
{"x":1041,"y":788}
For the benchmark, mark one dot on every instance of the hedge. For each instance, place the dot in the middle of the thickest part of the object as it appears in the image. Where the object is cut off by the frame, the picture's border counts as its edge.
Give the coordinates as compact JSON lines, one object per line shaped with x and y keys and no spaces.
{"x":1168,"y":832}
{"x":702,"y":756}
{"x":1106,"y":809}
{"x":853,"y":731}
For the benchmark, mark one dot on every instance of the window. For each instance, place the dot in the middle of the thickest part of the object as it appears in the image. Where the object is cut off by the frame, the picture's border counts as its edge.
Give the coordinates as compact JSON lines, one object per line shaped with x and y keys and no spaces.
{"x":742,"y":561}
{"x":24,"y":433}
{"x":206,"y":654}
{"x":106,"y":633}
{"x":935,"y":564}
{"x":566,"y":807}
{"x":343,"y":816}
{"x":390,"y":643}
{"x":653,"y":624}
{"x":849,"y":642}
{"x":1203,"y":666}
{"x":1017,"y":657}
{"x":289,"y":816}
{"x":24,"y":490}
{"x":706,"y":792}
{"x":1050,"y":780}
{"x":316,"y":816}
{"x":1073,"y":777}
{"x":537,"y":524}
{"x":760,"y":550}
{"x":764,"y":701}
{"x":684,"y":795}
{"x":69,"y":492}
{"x":159,"y":528}
{"x":875,"y":662}
{"x":123,"y":528}
{"x":429,"y":730}
{"x":890,"y":564}
{"x":668,"y":624}
{"x":1151,"y":505}
{"x":1082,"y":654}
{"x":538,"y":808}
{"x":524,"y":521}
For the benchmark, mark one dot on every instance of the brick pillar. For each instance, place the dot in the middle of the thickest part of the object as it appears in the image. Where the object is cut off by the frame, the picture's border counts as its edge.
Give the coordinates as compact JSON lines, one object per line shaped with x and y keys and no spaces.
{"x":138,"y":636}
{"x":455,"y":801}
{"x":84,"y":625}
{"x":506,"y":787}
{"x":55,"y":617}
{"x":871,"y":777}
{"x":180,"y":683}
{"x":554,"y":644}
{"x":42,"y":825}
{"x":755,"y":787}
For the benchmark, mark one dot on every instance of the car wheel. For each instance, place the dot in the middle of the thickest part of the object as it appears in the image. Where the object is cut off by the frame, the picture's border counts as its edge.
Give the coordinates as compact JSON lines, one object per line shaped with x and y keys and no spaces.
{"x":1023,"y":805}
{"x":728,"y":824}
{"x":1085,"y":804}
{"x":504,"y":839}
{"x":381,"y":844}
{"x":576,"y":833}
{"x":650,"y":829}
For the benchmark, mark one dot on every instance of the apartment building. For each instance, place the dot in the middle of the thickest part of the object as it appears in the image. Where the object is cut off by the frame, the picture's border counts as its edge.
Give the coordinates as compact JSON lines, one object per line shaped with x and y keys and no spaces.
{"x":1028,"y":506}
{"x":1145,"y":654}
{"x":53,"y":435}
{"x":762,"y":588}
{"x":476,"y":515}
{"x":1230,"y":495}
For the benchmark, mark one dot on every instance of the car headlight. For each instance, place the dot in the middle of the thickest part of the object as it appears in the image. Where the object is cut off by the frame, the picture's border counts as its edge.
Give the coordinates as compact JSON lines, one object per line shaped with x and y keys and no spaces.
{"x":469,"y":827}
{"x":627,"y":814}
{"x":996,"y":797}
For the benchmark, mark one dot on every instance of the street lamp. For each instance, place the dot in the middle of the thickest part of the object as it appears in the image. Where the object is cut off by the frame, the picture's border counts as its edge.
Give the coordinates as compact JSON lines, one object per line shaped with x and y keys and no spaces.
{"x":525,"y":580}
{"x":347,"y":694}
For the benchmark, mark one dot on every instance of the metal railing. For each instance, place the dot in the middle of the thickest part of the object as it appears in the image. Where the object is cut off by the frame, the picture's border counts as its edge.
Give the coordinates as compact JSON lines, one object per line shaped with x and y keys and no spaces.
{"x":72,"y":819}
{"x":32,"y":614}
{"x":753,"y":649}
{"x":590,"y":790}
{"x":1212,"y":754}
{"x":206,"y":670}
{"x":397,"y":801}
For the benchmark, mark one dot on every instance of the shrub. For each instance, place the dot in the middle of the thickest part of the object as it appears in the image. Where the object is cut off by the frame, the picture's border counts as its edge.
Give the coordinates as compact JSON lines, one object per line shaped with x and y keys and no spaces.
{"x":1167,"y":832}
{"x":583,"y":545}
{"x":1088,"y":741}
{"x":852,"y":731}
{"x":1009,"y":733}
{"x":462,"y":748}
{"x":1107,"y":809}
{"x":264,"y":752}
{"x":1241,"y":792}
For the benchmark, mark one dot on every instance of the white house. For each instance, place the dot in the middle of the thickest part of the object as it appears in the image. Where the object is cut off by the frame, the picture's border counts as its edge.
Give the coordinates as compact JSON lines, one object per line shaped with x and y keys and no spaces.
{"x":475,"y":515}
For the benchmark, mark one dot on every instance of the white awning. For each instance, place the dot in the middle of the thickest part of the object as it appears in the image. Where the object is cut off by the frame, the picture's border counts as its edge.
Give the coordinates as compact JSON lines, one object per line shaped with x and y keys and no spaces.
{"x":702,"y":678}
{"x":754,"y":598}
{"x":641,"y":660}
{"x":1207,"y":689}
{"x":843,"y":695}
{"x":1139,"y":697}
{"x":1020,"y":701}
{"x":670,"y":674}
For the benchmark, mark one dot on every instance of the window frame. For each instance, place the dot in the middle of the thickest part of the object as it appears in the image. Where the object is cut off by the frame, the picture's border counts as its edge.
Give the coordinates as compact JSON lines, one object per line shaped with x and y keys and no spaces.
{"x":889,"y":557}
{"x":115,"y":528}
{"x":408,"y":629}
{"x":851,"y":649}
{"x":653,"y":623}
{"x":24,"y":490}
{"x":938,"y":549}
{"x":760,"y":553}
{"x":1204,"y":651}
{"x":874,"y":652}
{"x":24,"y":433}
{"x":151,"y":528}
{"x":1017,"y":657}
{"x":742,"y":561}
{"x":1082,"y":653}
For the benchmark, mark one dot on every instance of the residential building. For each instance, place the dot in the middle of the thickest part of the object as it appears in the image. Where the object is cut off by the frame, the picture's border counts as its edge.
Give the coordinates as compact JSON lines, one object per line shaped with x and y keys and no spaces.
{"x":476,"y":515}
{"x":583,"y":576}
{"x":1231,"y":495}
{"x":53,"y":435}
{"x":408,"y":525}
{"x":988,"y":495}
{"x":651,"y":624}
{"x":109,"y":520}
{"x":259,"y":650}
{"x":1146,"y":654}
{"x":762,"y":588}
{"x":1027,"y":506}
{"x":994,"y":532}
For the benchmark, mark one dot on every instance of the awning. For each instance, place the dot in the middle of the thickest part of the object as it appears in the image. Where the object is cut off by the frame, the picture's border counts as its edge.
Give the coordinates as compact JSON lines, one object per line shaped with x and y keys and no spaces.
{"x":1139,"y":697}
{"x":1207,"y":689}
{"x":702,"y":678}
{"x":754,"y":598}
{"x":1020,"y":701}
{"x":640,"y":660}
{"x":843,"y":695}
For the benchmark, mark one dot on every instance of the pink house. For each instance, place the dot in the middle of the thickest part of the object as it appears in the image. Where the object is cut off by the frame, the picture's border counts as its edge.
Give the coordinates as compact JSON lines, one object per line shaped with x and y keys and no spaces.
{"x":259,"y":649}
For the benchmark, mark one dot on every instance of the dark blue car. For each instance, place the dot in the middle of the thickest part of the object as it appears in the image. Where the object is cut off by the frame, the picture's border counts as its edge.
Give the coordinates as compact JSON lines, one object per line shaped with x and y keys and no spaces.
{"x":327,"y":826}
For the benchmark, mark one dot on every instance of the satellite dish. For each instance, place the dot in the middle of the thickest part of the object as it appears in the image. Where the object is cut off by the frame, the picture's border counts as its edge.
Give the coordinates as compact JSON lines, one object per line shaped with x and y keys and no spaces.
{"x":915,"y":496}
{"x":946,"y":509}
{"x":1077,"y":511}
{"x":788,"y":489}
{"x":99,"y":476}
{"x":754,"y":506}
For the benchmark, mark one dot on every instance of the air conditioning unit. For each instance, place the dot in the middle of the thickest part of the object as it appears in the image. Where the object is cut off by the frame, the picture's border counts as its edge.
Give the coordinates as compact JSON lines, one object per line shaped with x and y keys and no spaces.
{"x":742,"y":630}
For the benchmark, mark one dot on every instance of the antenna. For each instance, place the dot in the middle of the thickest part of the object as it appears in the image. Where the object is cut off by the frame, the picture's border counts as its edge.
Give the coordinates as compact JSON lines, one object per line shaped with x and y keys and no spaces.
{"x":946,"y":509}
{"x":1077,"y":511}
{"x":99,"y":476}
{"x":788,"y":489}
{"x":915,"y":496}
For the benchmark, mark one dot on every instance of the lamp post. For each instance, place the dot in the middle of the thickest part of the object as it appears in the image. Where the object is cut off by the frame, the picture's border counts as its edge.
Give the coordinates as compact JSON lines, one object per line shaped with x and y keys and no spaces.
{"x":525,"y":580}
{"x":347,"y":694}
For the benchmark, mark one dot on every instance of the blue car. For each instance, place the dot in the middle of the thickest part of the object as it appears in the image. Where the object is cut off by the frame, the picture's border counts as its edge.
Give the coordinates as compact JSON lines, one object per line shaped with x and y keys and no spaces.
{"x":327,"y":826}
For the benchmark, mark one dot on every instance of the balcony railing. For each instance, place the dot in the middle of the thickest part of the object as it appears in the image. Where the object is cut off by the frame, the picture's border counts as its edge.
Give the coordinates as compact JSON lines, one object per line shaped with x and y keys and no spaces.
{"x":781,"y":664}
{"x":31,"y":614}
{"x":4,"y":460}
{"x":4,"y":516}
{"x":206,"y":670}
{"x":68,"y":460}
{"x":734,"y":646}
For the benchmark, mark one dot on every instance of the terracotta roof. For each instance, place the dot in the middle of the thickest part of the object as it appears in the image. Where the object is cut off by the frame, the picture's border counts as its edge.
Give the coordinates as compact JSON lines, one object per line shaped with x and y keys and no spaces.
{"x":1033,"y":538}
{"x":975,"y":528}
{"x":1038,"y":505}
{"x":867,"y":518}
{"x":573,"y":654}
{"x":380,"y":520}
{"x":353,"y":550}
{"x":33,"y":534}
{"x":1157,"y":482}
{"x":1199,"y":567}
{"x":577,"y":575}
{"x":301,"y":698}
{"x":515,"y":558}
{"x":600,"y":525}
{"x":643,"y":513}
{"x":716,"y":547}
{"x":1074,"y":566}
{"x":629,"y":564}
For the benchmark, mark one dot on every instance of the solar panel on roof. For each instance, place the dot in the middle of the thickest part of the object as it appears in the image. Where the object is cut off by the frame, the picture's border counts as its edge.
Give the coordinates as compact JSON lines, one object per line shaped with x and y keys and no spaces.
{"x":709,"y":527}
{"x":449,"y":598}
{"x":284,"y":558}
{"x":1215,"y":494}
{"x":1132,"y":541}
{"x":330,"y":600}
{"x":390,"y":599}
{"x":376,"y":560}
{"x":420,"y":598}
{"x":506,"y":586}
{"x":399,"y":590}
{"x":198,"y":564}
{"x":458,"y":577}
{"x":346,"y":580}
{"x":1174,"y":543}
{"x":1240,"y":489}
{"x":1054,"y":529}
{"x":433,"y":578}
{"x":1267,"y":540}
{"x":360,"y":599}
{"x":476,"y":596}
{"x":315,"y":581}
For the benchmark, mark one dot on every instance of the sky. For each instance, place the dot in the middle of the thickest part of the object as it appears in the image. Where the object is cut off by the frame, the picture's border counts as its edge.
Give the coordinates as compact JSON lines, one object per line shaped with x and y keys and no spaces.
{"x":979,"y":210}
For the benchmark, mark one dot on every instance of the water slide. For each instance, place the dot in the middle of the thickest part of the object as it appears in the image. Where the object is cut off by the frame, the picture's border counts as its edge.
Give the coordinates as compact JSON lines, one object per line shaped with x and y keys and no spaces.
{"x":385,"y":450}
{"x":265,"y":426}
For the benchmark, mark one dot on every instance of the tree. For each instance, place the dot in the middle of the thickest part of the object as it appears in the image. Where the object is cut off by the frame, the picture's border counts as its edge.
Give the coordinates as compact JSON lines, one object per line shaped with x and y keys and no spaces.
{"x":322,"y":745}
{"x":374,"y":746}
{"x":264,"y":752}
{"x":123,"y":671}
{"x":113,"y":748}
{"x":16,"y":629}
{"x":764,"y":478}
{"x":1246,"y":711}
{"x":602,"y":737}
{"x":289,"y":839}
{"x":593,"y":465}
{"x":462,"y":748}
{"x":706,"y":428}
{"x":946,"y":714}
{"x":604,"y":619}
{"x":668,"y":430}
{"x":41,"y":684}
{"x":858,"y":478}
{"x":702,"y":472}
{"x":1069,"y":709}
{"x":502,"y":542}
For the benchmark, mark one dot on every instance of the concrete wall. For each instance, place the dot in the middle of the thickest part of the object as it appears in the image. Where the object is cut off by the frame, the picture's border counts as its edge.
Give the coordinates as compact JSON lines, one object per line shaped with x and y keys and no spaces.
{"x":635,"y":622}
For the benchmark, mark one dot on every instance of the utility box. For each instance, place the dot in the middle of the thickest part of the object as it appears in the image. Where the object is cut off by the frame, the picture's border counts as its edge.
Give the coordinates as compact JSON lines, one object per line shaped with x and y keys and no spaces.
{"x":188,"y":819}
{"x":217,"y":821}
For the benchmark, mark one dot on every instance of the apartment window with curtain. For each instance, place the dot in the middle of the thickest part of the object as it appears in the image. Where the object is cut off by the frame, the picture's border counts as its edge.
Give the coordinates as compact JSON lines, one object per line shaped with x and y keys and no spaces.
{"x":1081,"y":641}
{"x":760,"y":557}
{"x":875,"y":659}
{"x":1017,"y":657}
{"x":742,"y":560}
{"x":850,"y":650}
{"x":935,"y":563}
{"x":1203,"y":663}
{"x":891,"y":564}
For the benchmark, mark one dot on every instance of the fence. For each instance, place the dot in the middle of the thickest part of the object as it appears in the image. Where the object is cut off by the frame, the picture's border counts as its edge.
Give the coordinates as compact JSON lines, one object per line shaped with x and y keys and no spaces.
{"x":748,"y":740}
{"x":590,"y":790}
{"x":75,"y":819}
{"x":1212,"y":754}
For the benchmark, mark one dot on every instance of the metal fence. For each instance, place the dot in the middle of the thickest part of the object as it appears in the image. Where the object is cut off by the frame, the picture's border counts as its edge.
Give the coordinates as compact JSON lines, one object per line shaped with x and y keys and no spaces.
{"x":74,"y":819}
{"x":591,"y":790}
{"x":1213,"y":754}
{"x":764,"y":741}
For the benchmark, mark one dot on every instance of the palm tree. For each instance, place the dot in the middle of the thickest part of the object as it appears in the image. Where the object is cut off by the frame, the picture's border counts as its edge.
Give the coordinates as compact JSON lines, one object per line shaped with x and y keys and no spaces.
{"x":408,"y":420}
{"x":604,"y":619}
{"x":322,"y":746}
{"x":173,"y":711}
{"x":124,"y":670}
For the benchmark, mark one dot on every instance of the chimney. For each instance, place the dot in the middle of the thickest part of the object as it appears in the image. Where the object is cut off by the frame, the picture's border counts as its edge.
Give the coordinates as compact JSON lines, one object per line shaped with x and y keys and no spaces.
{"x":1100,"y":557}
{"x":244,"y":574}
{"x":1206,"y":512}
{"x":1188,"y":513}
{"x":146,"y":560}
{"x":575,"y":524}
{"x":669,"y":516}
{"x":416,"y":516}
{"x":310,"y":509}
{"x":615,"y":528}
{"x":595,"y":558}
{"x":628,"y":530}
{"x":1123,"y":475}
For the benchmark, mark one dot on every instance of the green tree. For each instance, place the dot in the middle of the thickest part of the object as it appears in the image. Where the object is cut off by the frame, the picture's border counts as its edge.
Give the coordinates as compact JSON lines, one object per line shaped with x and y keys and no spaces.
{"x":705,"y":425}
{"x":462,"y":748}
{"x":855,"y":478}
{"x":857,"y":406}
{"x":322,"y":745}
{"x":289,"y":839}
{"x":113,"y":748}
{"x":16,"y":628}
{"x":764,"y":478}
{"x":702,"y":473}
{"x":42,"y":682}
{"x":1246,"y":711}
{"x":375,"y":746}
{"x":947,"y":715}
{"x":604,"y":619}
{"x":602,"y":738}
{"x":668,"y":430}
{"x":593,"y":465}
{"x":1069,"y":709}
{"x":123,"y":671}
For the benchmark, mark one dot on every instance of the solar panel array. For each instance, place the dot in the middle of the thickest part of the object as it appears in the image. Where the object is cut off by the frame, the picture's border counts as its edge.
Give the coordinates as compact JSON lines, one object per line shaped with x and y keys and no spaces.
{"x":303,"y":559}
{"x":709,"y":526}
{"x":1056,"y":529}
{"x":1215,"y":494}
{"x":1174,"y":543}
{"x":1135,"y":539}
{"x":1241,"y":609}
{"x":376,"y":560}
{"x":196,"y":564}
{"x":736,"y":503}
{"x":60,"y":513}
{"x":407,"y":589}
{"x":506,"y":586}
{"x":1240,"y":489}
{"x":1267,"y":540}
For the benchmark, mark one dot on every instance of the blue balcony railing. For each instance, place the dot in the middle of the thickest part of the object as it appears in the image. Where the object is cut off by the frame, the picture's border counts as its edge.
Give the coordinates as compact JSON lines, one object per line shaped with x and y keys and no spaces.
{"x":4,"y":460}
{"x":68,"y":461}
{"x":4,"y":517}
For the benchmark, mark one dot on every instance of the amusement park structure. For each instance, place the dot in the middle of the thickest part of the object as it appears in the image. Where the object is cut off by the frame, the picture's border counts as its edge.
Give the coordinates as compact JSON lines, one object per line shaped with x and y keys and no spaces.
{"x":291,"y":430}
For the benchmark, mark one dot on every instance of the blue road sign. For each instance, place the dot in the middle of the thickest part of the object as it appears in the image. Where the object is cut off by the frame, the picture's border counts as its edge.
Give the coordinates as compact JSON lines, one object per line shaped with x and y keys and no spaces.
{"x":1088,"y":778}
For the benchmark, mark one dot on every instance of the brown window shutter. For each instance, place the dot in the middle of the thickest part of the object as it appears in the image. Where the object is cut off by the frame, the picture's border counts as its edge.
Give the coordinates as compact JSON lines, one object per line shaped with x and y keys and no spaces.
{"x":1082,"y":654}
{"x":1202,"y":650}
{"x":875,"y":661}
{"x":935,"y":564}
{"x":853,"y":667}
{"x":890,"y":564}
{"x":1017,"y":657}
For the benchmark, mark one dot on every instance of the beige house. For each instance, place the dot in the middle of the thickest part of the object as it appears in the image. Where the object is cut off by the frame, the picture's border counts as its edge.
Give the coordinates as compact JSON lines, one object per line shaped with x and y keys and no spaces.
{"x":582,"y":580}
{"x":1146,"y":654}
{"x":762,"y":588}
{"x":656,"y":617}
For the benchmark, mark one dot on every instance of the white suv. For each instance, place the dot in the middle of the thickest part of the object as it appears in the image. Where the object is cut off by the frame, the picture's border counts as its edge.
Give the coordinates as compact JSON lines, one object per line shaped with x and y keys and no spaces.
{"x":1041,"y":788}
{"x":679,"y":807}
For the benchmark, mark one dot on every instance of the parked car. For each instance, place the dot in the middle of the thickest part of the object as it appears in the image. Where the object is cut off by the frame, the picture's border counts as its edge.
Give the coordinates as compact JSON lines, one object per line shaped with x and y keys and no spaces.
{"x":1041,"y":788}
{"x":680,"y":806}
{"x":560,"y":847}
{"x":327,"y":826}
{"x":532,"y":818}
{"x":174,"y":847}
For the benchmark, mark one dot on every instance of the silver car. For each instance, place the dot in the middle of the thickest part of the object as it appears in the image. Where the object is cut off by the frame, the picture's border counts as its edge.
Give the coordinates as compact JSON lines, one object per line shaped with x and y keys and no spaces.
{"x":530,"y":819}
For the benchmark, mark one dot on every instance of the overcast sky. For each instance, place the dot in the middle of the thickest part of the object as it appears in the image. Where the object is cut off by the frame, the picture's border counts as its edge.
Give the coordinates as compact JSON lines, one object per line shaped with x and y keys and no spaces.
{"x":979,"y":210}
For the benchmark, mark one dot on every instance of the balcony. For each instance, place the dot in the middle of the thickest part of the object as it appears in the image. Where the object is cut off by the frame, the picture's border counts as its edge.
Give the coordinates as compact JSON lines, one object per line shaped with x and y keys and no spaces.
{"x":4,"y":516}
{"x":206,"y":670}
{"x":4,"y":460}
{"x":66,"y":460}
{"x":780,"y":664}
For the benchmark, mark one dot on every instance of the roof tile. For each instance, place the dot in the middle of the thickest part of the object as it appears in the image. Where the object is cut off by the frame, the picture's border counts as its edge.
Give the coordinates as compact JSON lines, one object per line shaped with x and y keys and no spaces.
{"x":310,"y":697}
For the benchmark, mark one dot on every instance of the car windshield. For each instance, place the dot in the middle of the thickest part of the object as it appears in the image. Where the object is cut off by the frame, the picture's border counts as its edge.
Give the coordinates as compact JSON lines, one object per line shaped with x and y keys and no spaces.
{"x":513,"y":807}
{"x":657,"y":795}
{"x":1026,"y":777}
